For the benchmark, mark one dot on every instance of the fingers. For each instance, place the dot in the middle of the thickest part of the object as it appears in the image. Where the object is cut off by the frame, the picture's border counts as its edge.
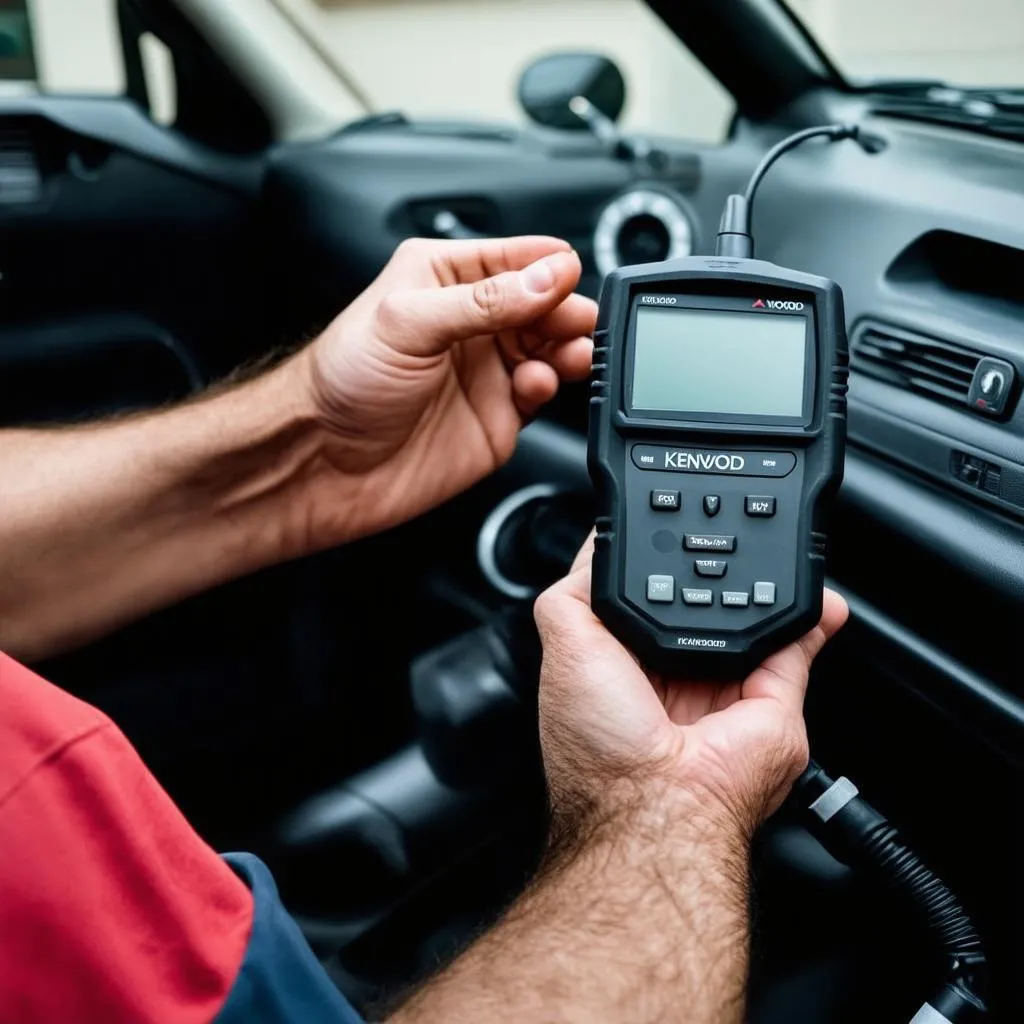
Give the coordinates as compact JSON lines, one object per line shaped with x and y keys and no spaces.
{"x":563,"y":612}
{"x":835,"y":612}
{"x":533,"y":384}
{"x":427,"y":321}
{"x":575,"y":585}
{"x":585,"y":555}
{"x":561,"y":338}
{"x":574,"y":318}
{"x":571,"y":360}
{"x":470,"y":260}
{"x":783,"y":676}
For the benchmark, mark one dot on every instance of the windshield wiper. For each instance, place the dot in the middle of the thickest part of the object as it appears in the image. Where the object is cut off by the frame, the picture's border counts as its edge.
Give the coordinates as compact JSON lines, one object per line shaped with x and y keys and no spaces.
{"x":933,"y":90}
{"x":992,"y":110}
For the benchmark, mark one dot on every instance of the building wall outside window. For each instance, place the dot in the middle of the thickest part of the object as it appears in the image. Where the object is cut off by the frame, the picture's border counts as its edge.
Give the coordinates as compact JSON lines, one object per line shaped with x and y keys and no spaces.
{"x":463,"y":57}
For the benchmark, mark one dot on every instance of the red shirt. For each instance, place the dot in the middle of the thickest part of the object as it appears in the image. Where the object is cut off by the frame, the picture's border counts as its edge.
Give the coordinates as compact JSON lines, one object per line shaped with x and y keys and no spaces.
{"x":112,"y":909}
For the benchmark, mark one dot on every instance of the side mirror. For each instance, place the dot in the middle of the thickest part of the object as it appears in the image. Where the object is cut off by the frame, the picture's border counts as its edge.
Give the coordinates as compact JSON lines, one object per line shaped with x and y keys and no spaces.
{"x":548,"y":85}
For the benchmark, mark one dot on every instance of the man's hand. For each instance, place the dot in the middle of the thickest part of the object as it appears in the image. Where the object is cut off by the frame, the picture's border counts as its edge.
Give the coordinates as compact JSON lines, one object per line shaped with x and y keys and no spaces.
{"x":617,"y":740}
{"x":640,"y":912}
{"x":413,"y":394}
{"x":424,"y":381}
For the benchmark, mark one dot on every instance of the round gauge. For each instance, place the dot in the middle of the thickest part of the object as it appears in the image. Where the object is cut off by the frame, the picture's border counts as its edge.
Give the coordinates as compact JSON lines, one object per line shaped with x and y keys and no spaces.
{"x":641,"y":226}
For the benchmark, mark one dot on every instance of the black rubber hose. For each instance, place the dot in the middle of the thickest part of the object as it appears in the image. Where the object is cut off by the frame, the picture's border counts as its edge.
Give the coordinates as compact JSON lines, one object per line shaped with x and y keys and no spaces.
{"x":954,"y":932}
{"x":862,"y":838}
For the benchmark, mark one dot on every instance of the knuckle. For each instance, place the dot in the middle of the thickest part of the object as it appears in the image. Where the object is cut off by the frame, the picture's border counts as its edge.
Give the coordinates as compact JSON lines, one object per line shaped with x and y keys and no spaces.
{"x":504,"y":446}
{"x":487,"y":298}
{"x":390,"y":313}
{"x":545,"y":609}
{"x":411,"y":249}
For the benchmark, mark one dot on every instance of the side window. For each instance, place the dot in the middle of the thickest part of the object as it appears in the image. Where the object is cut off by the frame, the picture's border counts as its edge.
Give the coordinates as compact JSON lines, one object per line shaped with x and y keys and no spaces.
{"x":148,"y":51}
{"x":77,"y":45}
{"x":463,"y":58}
{"x":74,"y":47}
{"x":17,"y":49}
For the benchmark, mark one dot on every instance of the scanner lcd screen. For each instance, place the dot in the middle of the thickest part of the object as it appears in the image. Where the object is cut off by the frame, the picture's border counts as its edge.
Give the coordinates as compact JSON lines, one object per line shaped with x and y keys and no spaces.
{"x":708,"y":361}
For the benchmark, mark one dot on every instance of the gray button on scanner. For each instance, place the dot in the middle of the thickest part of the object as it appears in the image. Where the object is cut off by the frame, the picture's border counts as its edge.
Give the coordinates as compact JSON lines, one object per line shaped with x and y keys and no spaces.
{"x":759,"y":505}
{"x":668,"y":501}
{"x":735,"y":598}
{"x":710,"y":567}
{"x":697,"y":596}
{"x":764,"y":593}
{"x":661,"y":589}
{"x":709,"y":542}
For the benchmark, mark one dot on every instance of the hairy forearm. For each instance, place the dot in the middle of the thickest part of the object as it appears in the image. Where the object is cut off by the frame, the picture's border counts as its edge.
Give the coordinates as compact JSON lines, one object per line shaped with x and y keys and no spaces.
{"x":104,"y":523}
{"x":646,"y":922}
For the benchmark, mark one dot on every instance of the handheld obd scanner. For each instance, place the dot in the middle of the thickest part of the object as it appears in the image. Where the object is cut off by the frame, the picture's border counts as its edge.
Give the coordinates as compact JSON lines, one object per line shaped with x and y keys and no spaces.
{"x":717,"y":437}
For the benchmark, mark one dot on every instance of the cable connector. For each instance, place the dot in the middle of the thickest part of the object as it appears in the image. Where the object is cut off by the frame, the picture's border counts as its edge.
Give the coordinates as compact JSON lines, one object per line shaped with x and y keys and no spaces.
{"x":954,"y":1004}
{"x":734,"y":238}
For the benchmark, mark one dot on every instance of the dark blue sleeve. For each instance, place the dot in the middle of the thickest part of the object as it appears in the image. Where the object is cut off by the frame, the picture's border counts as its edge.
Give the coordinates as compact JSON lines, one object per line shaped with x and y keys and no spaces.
{"x":280,"y":981}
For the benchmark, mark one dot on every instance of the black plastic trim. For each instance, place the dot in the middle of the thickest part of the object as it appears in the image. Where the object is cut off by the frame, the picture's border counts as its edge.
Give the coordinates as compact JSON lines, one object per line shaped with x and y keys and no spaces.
{"x":929,"y":452}
{"x":757,"y":50}
{"x":120,"y":123}
{"x":973,"y":702}
{"x":982,"y":545}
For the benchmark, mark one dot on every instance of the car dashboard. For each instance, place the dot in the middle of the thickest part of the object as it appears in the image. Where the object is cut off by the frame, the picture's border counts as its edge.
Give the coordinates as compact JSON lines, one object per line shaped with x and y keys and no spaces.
{"x":919,"y":700}
{"x":926,"y":238}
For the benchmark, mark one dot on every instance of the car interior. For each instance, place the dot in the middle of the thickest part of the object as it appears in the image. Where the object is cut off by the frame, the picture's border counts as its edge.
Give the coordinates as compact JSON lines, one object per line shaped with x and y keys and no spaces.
{"x":365,"y":719}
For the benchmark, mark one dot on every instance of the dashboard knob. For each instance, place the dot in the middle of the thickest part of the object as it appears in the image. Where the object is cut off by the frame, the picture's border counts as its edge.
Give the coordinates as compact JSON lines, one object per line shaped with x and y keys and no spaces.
{"x":992,"y":383}
{"x":991,"y":387}
{"x":644,"y":225}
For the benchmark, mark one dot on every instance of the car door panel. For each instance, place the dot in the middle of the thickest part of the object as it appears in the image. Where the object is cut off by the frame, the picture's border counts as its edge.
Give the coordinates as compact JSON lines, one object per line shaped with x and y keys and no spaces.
{"x":95,"y":223}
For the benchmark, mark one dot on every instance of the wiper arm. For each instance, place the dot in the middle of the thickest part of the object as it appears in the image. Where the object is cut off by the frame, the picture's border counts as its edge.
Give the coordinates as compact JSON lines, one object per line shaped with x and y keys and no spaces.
{"x":1007,"y":127}
{"x":979,"y":101}
{"x":942,"y":91}
{"x":994,"y":111}
{"x":900,"y":86}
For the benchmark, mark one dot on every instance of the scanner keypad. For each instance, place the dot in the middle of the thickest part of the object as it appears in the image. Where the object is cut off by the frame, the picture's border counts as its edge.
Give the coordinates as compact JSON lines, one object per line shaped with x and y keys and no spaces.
{"x":738,"y":575}
{"x":661,"y":587}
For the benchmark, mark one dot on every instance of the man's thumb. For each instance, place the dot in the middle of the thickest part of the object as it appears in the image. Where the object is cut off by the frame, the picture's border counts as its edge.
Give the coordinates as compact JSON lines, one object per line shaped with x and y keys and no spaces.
{"x":428,"y":320}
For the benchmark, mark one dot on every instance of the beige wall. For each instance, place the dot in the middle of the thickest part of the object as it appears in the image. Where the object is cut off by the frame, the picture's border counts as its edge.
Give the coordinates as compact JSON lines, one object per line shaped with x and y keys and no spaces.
{"x":77,"y":47}
{"x":970,"y":42}
{"x":463,"y":57}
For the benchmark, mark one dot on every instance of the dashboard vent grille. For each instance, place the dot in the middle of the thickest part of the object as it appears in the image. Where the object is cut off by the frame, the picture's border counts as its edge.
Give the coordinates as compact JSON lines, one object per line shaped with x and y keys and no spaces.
{"x":20,"y":177}
{"x":915,"y":362}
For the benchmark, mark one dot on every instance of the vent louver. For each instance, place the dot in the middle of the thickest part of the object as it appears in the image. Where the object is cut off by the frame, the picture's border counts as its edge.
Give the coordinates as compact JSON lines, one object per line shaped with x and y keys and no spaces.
{"x":20,"y":178}
{"x":914,"y":362}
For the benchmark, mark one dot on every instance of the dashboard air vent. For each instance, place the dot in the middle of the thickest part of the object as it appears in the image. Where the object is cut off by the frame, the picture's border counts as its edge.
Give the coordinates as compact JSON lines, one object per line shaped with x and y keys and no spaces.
{"x":915,"y":362}
{"x":21,"y":180}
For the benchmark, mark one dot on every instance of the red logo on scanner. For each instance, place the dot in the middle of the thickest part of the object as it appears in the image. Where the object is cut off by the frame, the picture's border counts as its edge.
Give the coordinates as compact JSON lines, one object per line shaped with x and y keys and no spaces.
{"x":758,"y":304}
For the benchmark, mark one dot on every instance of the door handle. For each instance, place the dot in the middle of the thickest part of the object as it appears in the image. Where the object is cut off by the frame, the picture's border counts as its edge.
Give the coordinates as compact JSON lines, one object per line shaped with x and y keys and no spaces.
{"x":448,"y":225}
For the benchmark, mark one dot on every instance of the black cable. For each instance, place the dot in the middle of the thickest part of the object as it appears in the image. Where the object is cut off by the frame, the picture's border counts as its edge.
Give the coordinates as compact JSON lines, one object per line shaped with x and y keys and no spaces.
{"x":856,"y":834}
{"x":734,"y":234}
{"x":832,"y":132}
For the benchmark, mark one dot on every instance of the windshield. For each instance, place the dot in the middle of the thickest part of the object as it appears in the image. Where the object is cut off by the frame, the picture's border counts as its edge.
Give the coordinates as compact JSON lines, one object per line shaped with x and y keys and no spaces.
{"x":962,"y":42}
